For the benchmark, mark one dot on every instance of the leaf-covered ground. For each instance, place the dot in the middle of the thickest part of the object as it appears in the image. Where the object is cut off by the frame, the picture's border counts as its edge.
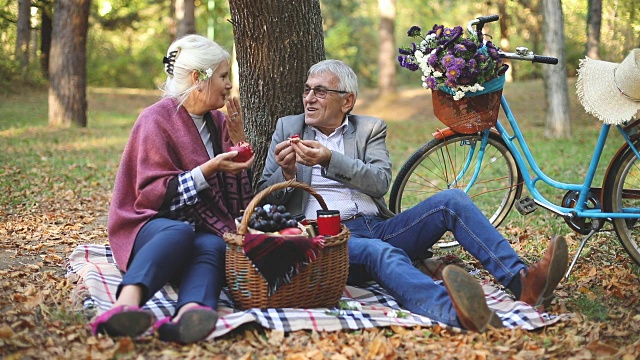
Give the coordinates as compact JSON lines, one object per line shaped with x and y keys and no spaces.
{"x":38,"y":320}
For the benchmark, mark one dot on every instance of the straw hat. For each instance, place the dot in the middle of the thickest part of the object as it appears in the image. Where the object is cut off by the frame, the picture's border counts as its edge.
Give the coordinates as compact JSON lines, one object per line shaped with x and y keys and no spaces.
{"x":610,"y":91}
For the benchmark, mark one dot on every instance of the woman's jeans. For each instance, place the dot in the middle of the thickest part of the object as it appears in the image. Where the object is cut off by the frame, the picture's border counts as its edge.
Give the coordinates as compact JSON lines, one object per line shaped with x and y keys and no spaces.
{"x":383,"y":250}
{"x":168,"y":250}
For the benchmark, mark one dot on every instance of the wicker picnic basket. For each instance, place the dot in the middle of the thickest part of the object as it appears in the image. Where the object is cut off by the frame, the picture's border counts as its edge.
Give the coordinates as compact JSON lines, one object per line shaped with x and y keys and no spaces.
{"x":468,"y":115}
{"x":319,"y":284}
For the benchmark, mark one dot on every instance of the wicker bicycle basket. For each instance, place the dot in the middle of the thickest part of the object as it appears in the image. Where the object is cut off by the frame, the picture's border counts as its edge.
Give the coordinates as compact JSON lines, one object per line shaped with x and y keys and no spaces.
{"x":319,"y":284}
{"x":467,"y":115}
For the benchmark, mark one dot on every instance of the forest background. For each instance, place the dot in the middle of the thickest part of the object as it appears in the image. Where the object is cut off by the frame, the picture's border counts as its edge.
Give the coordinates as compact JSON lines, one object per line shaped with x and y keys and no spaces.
{"x":55,"y":183}
{"x":127,"y":38}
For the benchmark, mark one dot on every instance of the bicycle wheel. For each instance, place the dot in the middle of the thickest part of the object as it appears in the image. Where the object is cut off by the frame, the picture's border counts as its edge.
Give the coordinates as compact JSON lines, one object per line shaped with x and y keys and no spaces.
{"x":450,"y":163}
{"x":621,"y":193}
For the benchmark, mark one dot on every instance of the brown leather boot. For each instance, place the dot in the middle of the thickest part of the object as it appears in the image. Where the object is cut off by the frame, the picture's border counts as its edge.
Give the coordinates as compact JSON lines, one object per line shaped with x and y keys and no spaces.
{"x":540,"y":279}
{"x":468,"y":299}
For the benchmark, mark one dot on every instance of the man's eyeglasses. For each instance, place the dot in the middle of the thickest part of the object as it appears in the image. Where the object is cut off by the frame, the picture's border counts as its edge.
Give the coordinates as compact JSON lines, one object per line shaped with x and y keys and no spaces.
{"x":320,"y":92}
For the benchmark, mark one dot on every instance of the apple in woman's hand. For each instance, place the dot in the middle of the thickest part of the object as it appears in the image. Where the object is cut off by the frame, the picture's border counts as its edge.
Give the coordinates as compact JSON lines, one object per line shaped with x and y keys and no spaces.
{"x":245,"y":151}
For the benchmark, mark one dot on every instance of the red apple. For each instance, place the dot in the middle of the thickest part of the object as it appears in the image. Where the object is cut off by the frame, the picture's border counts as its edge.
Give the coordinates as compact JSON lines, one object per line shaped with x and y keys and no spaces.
{"x":294,"y":138}
{"x":245,"y":151}
{"x":291,"y":231}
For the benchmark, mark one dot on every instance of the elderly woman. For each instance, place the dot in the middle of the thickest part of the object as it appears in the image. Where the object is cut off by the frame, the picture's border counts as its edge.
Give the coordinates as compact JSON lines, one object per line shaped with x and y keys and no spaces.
{"x":178,"y":189}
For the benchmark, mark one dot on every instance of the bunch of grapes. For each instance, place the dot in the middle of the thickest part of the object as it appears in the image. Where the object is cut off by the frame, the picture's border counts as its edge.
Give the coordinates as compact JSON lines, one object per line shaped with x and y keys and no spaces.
{"x":271,"y":218}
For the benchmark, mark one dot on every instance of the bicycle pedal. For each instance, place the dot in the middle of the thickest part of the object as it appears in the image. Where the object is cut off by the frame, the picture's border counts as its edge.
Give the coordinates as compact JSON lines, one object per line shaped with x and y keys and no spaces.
{"x":525,"y":206}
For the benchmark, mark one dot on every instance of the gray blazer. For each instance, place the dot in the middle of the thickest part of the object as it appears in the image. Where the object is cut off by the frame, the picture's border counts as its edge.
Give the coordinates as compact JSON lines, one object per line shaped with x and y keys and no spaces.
{"x":365,"y":165}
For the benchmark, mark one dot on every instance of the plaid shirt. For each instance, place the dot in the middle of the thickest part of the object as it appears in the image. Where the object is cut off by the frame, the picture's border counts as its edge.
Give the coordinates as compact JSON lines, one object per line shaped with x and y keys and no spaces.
{"x":187,"y":195}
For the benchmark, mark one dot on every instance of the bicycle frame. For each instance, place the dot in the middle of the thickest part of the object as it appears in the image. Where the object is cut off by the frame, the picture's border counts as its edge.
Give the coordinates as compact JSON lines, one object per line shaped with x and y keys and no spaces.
{"x":526,"y":161}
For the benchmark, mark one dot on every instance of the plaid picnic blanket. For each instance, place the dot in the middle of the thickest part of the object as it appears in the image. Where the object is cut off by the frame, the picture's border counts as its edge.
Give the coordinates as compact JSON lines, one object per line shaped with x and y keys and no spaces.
{"x":92,"y":268}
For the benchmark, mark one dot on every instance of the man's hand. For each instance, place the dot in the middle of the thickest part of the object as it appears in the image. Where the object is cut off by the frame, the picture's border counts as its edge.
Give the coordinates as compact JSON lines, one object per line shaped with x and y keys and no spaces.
{"x":286,"y":158}
{"x":311,"y":152}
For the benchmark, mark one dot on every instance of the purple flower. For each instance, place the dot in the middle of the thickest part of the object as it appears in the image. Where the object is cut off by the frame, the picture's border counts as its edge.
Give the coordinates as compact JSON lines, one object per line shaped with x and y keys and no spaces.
{"x":405,"y":51}
{"x":450,"y":83}
{"x":437,"y":30}
{"x":473,"y":64}
{"x":408,"y":63}
{"x":470,"y":45}
{"x":459,"y":63}
{"x":433,"y":60}
{"x":414,"y":31}
{"x":431,"y":82}
{"x":459,"y":48}
{"x":448,"y":60}
{"x":453,"y":72}
{"x":492,"y":50}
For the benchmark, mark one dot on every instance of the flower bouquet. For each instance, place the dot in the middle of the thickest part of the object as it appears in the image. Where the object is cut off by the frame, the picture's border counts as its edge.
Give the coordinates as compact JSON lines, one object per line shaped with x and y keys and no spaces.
{"x":458,"y":66}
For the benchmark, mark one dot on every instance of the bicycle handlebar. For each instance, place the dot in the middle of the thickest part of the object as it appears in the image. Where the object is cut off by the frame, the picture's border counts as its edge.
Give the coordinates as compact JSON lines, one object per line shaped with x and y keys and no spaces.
{"x":522,"y":53}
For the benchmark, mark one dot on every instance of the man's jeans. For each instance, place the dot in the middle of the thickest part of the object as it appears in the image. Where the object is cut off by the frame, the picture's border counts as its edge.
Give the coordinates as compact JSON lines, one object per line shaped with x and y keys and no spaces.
{"x":382,"y":250}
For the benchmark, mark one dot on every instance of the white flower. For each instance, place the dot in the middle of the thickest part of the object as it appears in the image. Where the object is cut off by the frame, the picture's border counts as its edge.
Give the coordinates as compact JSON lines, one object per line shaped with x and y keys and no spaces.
{"x":205,"y":74}
{"x":437,"y":74}
{"x":392,"y":313}
{"x":353,"y":305}
{"x":459,"y":95}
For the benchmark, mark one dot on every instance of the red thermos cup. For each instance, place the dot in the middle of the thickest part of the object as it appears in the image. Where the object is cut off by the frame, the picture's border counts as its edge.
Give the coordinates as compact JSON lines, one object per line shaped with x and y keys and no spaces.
{"x":328,"y":222}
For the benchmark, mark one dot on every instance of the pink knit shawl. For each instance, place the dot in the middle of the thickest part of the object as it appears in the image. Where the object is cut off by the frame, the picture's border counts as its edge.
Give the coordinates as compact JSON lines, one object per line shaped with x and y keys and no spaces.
{"x":164,"y":143}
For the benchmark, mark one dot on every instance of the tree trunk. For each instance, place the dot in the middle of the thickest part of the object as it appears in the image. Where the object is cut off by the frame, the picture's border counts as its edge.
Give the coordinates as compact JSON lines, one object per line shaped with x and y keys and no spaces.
{"x":276,"y":43}
{"x":185,"y":17}
{"x":23,"y":32}
{"x":68,"y":63}
{"x":387,"y":53}
{"x":504,"y":36}
{"x":594,"y":22}
{"x":558,"y":115}
{"x":46,"y":26}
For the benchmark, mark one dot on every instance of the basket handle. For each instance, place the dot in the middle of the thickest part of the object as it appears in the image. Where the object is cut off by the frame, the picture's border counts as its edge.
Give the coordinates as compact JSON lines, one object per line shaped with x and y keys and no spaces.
{"x":243,"y":227}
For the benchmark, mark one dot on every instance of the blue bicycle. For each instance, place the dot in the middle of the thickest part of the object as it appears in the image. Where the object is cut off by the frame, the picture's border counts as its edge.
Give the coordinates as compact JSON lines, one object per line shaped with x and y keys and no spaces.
{"x":492,"y":166}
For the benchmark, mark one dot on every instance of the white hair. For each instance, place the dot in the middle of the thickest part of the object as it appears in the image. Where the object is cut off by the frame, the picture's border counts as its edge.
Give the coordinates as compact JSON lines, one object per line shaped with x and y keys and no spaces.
{"x":347,"y":78}
{"x":187,"y":54}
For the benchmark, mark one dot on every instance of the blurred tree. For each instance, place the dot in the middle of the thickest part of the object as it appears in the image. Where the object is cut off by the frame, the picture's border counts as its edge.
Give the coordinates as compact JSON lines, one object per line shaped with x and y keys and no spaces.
{"x":23,"y":33}
{"x":185,"y":17}
{"x":276,"y":43}
{"x":594,"y":22}
{"x":555,"y":79}
{"x":67,"y":66}
{"x":45,"y":10}
{"x":388,"y":51}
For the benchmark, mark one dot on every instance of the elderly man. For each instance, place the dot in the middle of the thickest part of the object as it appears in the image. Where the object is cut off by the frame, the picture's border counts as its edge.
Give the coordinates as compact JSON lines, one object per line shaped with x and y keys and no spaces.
{"x":345,"y":159}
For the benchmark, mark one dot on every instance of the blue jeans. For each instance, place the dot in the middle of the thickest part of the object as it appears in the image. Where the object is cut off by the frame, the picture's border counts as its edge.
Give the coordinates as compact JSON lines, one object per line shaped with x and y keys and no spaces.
{"x":382,"y":250}
{"x":171,"y":251}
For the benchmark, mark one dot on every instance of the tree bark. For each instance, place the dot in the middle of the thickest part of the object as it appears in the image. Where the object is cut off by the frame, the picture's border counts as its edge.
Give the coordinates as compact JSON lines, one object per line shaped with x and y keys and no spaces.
{"x":594,"y":23}
{"x":276,"y":43}
{"x":558,"y":115}
{"x":185,"y":17}
{"x":23,"y":32}
{"x":68,"y":62}
{"x":46,"y":26}
{"x":386,"y":55}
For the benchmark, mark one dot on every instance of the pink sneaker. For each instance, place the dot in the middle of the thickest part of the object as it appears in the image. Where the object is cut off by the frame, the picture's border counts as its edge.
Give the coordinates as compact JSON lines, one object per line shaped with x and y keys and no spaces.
{"x":122,"y":320}
{"x":194,"y":325}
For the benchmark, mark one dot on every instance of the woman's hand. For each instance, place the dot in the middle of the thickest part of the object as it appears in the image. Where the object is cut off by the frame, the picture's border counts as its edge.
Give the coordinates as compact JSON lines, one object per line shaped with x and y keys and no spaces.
{"x":224,"y":163}
{"x":235,"y":124}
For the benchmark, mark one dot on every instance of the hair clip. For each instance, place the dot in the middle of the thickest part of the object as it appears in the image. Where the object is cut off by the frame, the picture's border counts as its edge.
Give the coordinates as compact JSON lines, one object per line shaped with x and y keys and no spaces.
{"x":170,"y":61}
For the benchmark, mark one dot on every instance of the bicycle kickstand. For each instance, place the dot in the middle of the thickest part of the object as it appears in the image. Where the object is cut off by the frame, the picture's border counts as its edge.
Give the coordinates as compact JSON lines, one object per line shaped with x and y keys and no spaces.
{"x":594,"y":229}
